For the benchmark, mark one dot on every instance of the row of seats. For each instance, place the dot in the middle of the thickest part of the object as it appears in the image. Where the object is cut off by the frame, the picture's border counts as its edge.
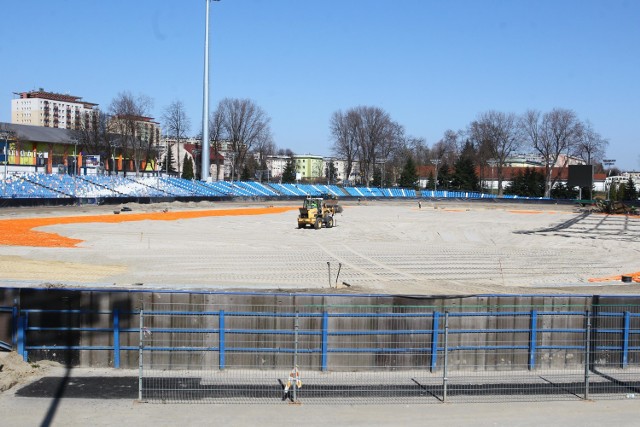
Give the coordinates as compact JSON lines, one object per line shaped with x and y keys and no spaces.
{"x":89,"y":186}
{"x":443,"y":194}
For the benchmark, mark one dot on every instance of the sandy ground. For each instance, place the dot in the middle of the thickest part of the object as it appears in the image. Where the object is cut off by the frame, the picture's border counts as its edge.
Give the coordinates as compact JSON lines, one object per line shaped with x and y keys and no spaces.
{"x":380,"y":247}
{"x":377,"y":247}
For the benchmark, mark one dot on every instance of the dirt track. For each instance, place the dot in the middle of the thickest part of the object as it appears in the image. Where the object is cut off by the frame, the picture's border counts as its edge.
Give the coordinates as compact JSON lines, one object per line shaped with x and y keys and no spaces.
{"x":381,"y":247}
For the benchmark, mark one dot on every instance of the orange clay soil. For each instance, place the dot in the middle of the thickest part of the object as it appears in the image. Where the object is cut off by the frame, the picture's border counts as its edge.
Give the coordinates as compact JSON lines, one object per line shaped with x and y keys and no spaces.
{"x":635,"y":277}
{"x":19,"y":232}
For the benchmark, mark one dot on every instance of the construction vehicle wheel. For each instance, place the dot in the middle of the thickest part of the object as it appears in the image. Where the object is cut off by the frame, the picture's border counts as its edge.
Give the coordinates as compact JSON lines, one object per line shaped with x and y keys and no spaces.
{"x":318,"y":224}
{"x":330,"y":222}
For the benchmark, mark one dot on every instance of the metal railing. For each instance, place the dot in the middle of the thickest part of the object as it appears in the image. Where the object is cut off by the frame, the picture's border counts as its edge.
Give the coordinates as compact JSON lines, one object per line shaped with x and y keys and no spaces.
{"x":355,"y":354}
{"x":387,"y":354}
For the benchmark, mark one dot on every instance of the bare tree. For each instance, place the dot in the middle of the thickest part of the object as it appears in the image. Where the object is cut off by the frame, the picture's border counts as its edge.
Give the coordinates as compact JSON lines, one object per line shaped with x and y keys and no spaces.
{"x":244,"y":125}
{"x":128,"y":113}
{"x":444,"y":153}
{"x":387,"y":150}
{"x":177,"y":124}
{"x":552,"y":135}
{"x":95,"y":137}
{"x":499,"y":135}
{"x":285,"y":152}
{"x":446,"y":149}
{"x":477,"y":135}
{"x":344,"y":133}
{"x":591,"y":147}
{"x":215,"y":132}
{"x":365,"y":133}
{"x":262,"y":150}
{"x":419,"y":148}
{"x":376,"y":136}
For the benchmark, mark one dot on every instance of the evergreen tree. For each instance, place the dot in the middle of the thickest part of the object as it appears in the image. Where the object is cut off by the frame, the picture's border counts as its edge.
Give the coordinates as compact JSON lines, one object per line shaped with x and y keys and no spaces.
{"x":187,"y":168}
{"x":528,"y":183}
{"x":377,"y":177}
{"x":409,"y":175}
{"x":562,"y":191}
{"x":169,"y":161}
{"x":621,"y":192}
{"x":249,"y":169}
{"x":465,"y":177}
{"x":444,"y":177}
{"x":430,"y":181}
{"x":246,"y":174}
{"x":330,"y":172}
{"x":630,"y":192}
{"x":289,"y":173}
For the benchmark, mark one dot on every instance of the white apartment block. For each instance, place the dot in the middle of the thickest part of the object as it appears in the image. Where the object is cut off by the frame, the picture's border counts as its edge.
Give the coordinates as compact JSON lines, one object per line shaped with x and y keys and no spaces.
{"x":55,"y":110}
{"x":276,"y":165}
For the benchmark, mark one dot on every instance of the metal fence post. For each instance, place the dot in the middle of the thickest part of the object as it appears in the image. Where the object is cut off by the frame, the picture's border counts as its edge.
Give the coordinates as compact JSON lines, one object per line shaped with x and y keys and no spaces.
{"x":221,"y":341}
{"x":295,"y":356}
{"x":434,"y":340}
{"x":14,"y":326}
{"x":116,"y":338}
{"x":21,"y":336}
{"x":533,"y":337}
{"x":625,"y":339}
{"x":325,"y":339}
{"x":445,"y":380}
{"x":587,"y":352}
{"x":140,"y":358}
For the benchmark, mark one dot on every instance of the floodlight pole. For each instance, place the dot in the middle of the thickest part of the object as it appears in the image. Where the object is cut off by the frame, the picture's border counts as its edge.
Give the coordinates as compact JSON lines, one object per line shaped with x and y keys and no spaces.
{"x":492,"y":163}
{"x":435,"y":181}
{"x":75,"y":168}
{"x":204,"y":173}
{"x":6,"y":160}
{"x":608,"y":163}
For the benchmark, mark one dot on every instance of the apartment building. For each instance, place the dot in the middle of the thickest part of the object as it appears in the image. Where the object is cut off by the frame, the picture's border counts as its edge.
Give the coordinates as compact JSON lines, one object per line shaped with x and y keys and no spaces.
{"x":55,"y":110}
{"x":309,"y":166}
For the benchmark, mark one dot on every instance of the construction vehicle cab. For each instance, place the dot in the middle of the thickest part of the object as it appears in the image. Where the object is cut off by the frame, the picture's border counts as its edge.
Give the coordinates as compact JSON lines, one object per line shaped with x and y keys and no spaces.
{"x":315,"y":212}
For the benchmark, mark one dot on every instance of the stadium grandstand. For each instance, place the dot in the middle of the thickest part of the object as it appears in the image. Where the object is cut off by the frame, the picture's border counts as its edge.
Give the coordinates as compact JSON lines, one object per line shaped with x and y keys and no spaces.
{"x":104,"y":187}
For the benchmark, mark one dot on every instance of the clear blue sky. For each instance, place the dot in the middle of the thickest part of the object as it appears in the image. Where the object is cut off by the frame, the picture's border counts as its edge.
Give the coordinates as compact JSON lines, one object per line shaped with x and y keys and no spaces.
{"x":432,"y":65}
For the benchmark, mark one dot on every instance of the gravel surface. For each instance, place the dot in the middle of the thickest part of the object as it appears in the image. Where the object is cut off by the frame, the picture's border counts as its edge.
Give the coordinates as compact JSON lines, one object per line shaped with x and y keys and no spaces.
{"x":381,"y":247}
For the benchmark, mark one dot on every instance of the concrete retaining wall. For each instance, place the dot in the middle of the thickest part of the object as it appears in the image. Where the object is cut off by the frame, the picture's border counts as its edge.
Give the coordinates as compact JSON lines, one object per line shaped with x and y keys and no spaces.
{"x":93,"y":309}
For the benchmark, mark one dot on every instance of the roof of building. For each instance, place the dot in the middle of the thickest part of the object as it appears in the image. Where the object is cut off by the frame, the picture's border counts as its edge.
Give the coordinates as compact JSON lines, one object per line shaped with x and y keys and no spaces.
{"x":42,"y":94}
{"x":136,"y":118}
{"x":39,"y":133}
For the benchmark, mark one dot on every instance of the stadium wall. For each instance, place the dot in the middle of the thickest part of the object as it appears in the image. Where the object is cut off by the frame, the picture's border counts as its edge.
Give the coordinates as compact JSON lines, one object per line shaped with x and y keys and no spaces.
{"x":100,"y":328}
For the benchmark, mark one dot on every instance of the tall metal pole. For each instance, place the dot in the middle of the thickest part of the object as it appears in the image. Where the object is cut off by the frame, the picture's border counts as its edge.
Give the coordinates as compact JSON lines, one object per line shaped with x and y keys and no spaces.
{"x":75,"y":168}
{"x":140,"y":354}
{"x":204,"y":173}
{"x":445,"y":368}
{"x":492,"y":163}
{"x":608,"y":163}
{"x":6,"y":160}
{"x":296,"y":326}
{"x":587,"y":354}
{"x":435,"y":181}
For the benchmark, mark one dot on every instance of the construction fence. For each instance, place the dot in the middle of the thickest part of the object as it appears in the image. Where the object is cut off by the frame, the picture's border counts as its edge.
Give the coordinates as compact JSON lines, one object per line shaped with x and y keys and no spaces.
{"x":324,"y":353}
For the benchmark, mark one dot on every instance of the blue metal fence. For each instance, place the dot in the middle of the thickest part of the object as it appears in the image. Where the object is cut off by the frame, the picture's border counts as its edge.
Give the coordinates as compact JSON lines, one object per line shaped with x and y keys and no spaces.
{"x":618,"y":340}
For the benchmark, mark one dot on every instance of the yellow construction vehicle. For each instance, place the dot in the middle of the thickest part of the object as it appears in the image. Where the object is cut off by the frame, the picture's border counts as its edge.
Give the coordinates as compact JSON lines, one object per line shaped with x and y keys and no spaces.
{"x":316,"y":212}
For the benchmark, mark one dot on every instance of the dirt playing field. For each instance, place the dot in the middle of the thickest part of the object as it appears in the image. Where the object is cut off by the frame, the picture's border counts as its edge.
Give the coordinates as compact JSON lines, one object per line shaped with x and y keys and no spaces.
{"x":376,"y":246}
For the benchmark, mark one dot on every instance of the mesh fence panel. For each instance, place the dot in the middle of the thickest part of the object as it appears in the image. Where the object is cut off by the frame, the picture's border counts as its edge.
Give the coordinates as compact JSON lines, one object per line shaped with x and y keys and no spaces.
{"x":385,"y":354}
